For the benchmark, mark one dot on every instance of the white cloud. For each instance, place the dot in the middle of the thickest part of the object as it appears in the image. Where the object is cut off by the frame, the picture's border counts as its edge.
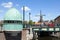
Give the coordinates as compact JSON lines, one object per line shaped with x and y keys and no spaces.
{"x":7,"y":5}
{"x":26,"y":8}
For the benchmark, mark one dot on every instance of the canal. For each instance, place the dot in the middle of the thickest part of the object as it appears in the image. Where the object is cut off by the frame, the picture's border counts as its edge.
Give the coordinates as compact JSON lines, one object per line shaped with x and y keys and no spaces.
{"x":48,"y":38}
{"x":18,"y":37}
{"x":45,"y":36}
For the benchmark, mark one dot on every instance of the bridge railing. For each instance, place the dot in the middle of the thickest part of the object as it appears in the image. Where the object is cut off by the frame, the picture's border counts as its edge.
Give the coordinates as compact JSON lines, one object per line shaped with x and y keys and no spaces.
{"x":54,"y":29}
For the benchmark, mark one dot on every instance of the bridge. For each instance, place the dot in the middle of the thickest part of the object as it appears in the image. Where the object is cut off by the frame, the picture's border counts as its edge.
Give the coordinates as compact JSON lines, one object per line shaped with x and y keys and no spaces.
{"x":46,"y":28}
{"x":52,"y":29}
{"x":42,"y":28}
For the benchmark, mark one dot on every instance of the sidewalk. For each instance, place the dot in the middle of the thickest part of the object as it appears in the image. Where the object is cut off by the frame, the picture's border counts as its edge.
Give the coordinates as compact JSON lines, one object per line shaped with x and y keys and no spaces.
{"x":2,"y":36}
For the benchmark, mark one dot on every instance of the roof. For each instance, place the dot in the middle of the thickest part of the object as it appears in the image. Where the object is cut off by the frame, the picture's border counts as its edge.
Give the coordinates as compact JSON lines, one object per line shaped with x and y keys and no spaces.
{"x":13,"y":14}
{"x":57,"y":17}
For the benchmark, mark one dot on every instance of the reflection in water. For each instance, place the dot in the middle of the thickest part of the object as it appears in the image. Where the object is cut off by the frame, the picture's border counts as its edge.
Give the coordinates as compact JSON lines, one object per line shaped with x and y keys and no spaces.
{"x":48,"y":38}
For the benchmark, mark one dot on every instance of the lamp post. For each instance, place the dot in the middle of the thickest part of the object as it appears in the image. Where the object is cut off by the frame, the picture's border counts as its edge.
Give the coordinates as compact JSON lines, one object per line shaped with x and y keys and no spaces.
{"x":23,"y":16}
{"x":29,"y":18}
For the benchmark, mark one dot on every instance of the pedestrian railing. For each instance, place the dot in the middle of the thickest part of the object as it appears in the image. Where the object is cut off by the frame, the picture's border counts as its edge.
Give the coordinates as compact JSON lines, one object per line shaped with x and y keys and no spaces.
{"x":53,"y":29}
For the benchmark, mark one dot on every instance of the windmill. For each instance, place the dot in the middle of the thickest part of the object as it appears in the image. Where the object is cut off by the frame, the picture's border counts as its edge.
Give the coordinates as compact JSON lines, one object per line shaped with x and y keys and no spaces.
{"x":41,"y":17}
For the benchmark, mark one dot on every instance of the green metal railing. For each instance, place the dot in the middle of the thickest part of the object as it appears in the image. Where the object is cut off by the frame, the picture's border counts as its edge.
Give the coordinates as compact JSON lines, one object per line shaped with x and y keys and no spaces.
{"x":53,"y":29}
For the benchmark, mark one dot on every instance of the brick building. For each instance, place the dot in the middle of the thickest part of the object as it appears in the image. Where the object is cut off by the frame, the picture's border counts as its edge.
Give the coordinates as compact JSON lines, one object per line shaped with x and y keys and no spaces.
{"x":57,"y":20}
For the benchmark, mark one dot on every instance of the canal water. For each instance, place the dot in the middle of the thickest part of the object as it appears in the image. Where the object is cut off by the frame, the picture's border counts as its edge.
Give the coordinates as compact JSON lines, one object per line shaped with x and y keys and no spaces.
{"x":18,"y":37}
{"x":48,"y":38}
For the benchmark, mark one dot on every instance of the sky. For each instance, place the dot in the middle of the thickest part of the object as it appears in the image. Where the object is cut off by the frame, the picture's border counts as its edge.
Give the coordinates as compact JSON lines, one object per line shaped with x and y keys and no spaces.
{"x":49,"y":8}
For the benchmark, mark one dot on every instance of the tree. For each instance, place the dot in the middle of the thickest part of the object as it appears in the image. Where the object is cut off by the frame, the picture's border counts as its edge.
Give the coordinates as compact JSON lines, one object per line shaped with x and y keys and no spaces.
{"x":31,"y":22}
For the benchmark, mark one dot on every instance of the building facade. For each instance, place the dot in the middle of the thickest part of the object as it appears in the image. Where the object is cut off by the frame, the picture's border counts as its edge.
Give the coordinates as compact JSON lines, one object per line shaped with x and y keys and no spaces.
{"x":12,"y":22}
{"x":57,"y":21}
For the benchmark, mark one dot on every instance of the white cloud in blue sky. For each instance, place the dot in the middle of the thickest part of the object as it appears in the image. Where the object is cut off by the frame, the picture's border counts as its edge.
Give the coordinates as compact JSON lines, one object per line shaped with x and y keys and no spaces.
{"x":26,"y":8}
{"x":50,"y":8}
{"x":7,"y":5}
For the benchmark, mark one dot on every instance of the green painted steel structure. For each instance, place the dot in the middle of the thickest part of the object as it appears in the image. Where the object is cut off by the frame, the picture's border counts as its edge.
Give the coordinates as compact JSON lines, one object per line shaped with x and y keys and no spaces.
{"x":52,"y":29}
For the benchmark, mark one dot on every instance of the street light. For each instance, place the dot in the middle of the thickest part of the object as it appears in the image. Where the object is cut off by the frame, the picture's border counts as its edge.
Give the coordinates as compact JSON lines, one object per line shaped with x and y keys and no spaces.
{"x":29,"y":18}
{"x":23,"y":16}
{"x":24,"y":8}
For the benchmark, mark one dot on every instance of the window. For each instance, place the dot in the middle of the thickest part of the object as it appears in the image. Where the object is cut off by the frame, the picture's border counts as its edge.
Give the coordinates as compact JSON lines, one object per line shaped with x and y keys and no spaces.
{"x":13,"y":21}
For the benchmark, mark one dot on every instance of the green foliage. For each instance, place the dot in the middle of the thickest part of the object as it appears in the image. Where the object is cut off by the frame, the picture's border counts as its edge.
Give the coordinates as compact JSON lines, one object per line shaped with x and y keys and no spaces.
{"x":31,"y":22}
